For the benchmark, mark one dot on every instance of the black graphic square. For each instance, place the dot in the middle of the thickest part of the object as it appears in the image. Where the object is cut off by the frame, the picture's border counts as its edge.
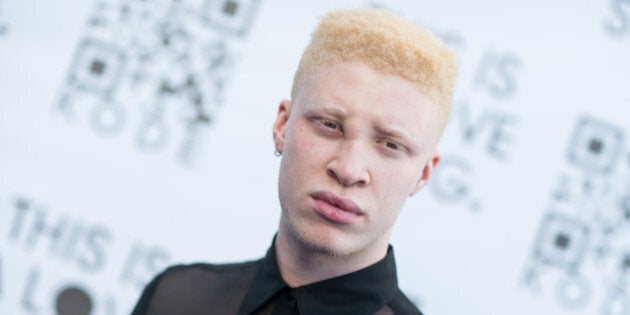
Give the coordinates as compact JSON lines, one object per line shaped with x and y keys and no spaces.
{"x":624,"y":206}
{"x":97,"y":66}
{"x":230,"y":7}
{"x":625,"y":263}
{"x":233,"y":17}
{"x":596,"y":145}
{"x":561,"y":241}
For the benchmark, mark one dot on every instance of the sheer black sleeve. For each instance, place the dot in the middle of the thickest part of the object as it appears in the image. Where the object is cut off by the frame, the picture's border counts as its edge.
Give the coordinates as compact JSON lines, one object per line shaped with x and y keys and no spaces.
{"x":147,"y":294}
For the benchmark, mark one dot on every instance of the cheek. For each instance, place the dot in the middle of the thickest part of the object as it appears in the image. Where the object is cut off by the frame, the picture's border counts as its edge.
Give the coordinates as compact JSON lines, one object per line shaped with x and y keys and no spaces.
{"x":306,"y":150}
{"x":396,"y":182}
{"x":300,"y":163}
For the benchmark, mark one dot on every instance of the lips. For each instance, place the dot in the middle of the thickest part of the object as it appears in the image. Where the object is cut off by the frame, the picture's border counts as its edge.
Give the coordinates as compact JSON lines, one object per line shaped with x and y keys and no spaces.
{"x":336,"y":209}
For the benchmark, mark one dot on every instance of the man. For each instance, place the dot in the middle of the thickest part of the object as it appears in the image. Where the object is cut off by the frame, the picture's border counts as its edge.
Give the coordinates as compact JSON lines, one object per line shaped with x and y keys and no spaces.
{"x":370,"y":100}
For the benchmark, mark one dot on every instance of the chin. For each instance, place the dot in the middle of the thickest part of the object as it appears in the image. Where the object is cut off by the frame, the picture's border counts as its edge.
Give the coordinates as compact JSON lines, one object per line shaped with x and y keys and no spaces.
{"x":327,"y":246}
{"x":322,"y":239}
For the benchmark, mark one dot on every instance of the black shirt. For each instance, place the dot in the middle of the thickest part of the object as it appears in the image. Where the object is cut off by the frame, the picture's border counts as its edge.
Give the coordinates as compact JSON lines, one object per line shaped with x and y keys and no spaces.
{"x":256,"y":288}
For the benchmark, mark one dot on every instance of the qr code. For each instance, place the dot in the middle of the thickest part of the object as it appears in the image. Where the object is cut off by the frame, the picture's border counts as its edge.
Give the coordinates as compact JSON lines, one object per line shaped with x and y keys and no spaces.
{"x":596,"y":146}
{"x":582,"y":247}
{"x":156,"y":69}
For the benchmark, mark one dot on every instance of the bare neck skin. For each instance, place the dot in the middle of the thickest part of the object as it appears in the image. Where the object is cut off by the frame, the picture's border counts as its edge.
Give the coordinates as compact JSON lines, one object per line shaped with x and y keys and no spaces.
{"x":301,"y":266}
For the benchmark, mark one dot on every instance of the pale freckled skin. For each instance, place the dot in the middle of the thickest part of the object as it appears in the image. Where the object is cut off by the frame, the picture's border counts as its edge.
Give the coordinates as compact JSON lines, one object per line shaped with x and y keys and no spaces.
{"x":332,"y":140}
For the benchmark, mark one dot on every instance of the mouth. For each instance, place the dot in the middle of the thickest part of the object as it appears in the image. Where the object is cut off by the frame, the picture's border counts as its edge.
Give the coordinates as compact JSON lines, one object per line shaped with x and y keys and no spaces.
{"x":336,"y":209}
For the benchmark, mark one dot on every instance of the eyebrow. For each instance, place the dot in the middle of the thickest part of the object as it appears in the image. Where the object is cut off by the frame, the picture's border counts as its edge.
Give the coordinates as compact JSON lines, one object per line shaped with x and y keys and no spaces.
{"x":329,"y":109}
{"x":394,"y":132}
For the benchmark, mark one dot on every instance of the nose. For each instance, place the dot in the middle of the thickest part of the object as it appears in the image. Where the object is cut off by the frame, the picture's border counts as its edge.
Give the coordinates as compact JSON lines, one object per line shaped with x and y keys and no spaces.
{"x":349,"y":165}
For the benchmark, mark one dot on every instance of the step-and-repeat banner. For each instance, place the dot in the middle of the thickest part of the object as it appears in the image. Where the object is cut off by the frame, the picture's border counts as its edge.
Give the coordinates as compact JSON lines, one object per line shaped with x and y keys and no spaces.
{"x":135,"y":134}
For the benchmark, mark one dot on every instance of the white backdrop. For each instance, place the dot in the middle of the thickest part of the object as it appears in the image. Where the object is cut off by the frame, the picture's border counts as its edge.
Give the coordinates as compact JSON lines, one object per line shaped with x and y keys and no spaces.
{"x":137,"y":134}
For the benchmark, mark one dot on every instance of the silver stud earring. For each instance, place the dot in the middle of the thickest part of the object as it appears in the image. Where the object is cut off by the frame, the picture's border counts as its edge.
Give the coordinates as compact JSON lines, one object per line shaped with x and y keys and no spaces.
{"x":277,"y":153}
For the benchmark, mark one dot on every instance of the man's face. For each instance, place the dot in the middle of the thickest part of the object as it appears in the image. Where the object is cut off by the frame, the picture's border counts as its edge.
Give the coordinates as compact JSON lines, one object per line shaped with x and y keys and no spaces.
{"x":356,"y":144}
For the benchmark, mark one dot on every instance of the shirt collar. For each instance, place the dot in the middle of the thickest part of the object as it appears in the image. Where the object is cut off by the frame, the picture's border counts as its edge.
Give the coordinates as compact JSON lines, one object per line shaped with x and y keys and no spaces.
{"x":361,"y":292}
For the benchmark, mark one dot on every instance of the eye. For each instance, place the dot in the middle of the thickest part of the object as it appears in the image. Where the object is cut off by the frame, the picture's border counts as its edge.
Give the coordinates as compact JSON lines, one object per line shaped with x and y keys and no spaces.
{"x":330,"y":124}
{"x":393,"y":145}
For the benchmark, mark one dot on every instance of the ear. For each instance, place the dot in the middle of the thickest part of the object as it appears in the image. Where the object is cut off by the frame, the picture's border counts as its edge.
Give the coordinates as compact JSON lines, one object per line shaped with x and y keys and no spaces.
{"x":279,"y":126}
{"x":427,"y":170}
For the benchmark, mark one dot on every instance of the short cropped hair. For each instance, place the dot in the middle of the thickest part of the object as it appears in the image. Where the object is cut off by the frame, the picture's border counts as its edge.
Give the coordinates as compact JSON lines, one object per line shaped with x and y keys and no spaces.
{"x":388,"y":44}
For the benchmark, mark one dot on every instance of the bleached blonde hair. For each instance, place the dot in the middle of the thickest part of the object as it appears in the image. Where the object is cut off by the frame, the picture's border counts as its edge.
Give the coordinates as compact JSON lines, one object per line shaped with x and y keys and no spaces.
{"x":388,"y":44}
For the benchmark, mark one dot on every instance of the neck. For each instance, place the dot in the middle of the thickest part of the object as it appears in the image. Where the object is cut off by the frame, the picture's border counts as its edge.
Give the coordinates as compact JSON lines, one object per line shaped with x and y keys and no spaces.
{"x":300,"y":266}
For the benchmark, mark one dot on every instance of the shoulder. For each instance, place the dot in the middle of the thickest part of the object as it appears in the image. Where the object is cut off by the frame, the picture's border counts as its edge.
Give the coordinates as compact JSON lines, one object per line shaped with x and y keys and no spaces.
{"x":202,"y":276}
{"x":184,"y":272}
{"x":401,"y":305}
{"x":199,"y":284}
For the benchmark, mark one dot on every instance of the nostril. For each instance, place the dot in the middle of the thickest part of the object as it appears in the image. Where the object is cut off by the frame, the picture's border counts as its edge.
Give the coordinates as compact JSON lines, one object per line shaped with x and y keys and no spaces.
{"x":331,"y":173}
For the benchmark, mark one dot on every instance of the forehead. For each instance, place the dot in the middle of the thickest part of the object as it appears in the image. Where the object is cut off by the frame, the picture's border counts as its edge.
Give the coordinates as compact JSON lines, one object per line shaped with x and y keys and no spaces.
{"x":356,"y":91}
